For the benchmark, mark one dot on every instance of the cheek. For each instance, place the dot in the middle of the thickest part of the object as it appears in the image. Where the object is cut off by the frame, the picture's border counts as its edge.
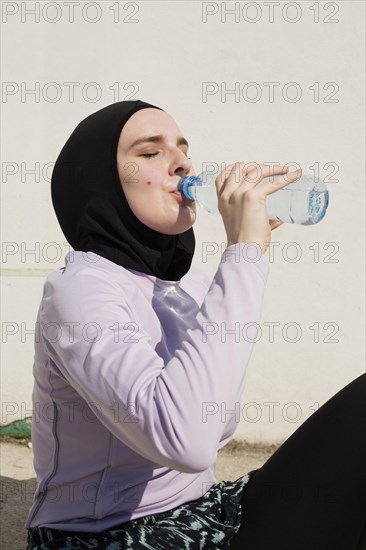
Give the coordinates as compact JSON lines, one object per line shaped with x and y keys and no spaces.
{"x":150,"y":188}
{"x":139,"y":180}
{"x":152,"y":177}
{"x":144,"y":193}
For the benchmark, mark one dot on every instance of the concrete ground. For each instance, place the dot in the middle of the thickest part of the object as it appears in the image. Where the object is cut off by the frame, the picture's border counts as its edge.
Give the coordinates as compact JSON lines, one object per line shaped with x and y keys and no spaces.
{"x":18,"y":482}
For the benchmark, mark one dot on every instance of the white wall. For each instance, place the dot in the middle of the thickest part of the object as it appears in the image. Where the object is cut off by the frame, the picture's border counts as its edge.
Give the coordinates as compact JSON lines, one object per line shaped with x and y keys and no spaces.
{"x":165,"y":57}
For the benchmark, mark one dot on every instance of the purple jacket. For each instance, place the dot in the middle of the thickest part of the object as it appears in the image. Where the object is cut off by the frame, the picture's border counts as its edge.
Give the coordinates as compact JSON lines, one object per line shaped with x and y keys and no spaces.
{"x":134,"y":381}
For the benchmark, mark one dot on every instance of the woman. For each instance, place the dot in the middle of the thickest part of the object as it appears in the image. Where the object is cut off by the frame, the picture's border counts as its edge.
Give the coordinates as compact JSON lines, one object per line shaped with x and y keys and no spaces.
{"x":124,"y":447}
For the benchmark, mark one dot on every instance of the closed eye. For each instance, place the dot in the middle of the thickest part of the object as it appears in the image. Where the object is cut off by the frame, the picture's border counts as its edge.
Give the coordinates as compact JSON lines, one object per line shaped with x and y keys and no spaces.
{"x":148,"y":155}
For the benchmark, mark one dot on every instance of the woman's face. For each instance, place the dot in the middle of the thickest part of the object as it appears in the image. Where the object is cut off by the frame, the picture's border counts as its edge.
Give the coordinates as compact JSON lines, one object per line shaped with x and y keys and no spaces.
{"x":150,"y":170}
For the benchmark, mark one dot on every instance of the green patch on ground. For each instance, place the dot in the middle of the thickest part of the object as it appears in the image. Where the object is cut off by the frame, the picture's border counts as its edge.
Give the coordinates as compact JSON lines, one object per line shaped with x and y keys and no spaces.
{"x":18,"y":430}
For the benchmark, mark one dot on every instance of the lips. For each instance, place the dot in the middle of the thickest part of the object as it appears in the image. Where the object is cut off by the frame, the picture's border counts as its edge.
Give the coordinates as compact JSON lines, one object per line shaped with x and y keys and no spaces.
{"x":180,"y":197}
{"x":177,"y":194}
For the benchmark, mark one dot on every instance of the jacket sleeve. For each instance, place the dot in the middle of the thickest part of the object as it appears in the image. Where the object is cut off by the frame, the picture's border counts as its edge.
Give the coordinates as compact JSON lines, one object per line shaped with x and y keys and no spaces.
{"x":172,"y":414}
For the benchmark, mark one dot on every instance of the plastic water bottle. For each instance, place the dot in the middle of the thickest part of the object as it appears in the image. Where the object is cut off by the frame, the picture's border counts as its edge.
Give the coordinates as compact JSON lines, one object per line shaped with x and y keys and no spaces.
{"x":304,"y":201}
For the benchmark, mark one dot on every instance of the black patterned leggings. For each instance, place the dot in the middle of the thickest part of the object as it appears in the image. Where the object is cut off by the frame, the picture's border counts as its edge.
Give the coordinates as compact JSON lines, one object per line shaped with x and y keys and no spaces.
{"x":311,"y":493}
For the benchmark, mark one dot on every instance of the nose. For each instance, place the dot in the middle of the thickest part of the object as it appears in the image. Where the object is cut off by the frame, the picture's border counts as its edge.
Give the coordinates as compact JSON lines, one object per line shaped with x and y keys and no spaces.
{"x":180,"y":165}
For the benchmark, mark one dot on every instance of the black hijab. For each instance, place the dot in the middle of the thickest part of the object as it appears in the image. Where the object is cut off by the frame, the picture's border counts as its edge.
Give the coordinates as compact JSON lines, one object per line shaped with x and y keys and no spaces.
{"x":91,"y":206}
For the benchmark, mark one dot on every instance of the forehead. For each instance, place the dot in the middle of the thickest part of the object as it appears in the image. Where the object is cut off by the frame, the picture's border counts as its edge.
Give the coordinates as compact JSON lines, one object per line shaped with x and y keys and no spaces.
{"x":148,"y":122}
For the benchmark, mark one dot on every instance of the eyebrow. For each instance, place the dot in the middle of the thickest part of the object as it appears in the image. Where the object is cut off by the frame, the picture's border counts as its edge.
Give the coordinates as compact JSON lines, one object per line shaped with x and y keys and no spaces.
{"x":155,"y":139}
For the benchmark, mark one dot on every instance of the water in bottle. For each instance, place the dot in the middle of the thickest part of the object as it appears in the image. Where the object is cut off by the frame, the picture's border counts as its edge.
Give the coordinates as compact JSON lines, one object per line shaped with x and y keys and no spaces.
{"x":304,"y":201}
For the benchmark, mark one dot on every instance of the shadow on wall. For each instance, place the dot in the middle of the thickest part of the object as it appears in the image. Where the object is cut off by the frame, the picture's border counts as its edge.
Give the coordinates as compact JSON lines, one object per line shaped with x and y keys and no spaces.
{"x":15,"y":502}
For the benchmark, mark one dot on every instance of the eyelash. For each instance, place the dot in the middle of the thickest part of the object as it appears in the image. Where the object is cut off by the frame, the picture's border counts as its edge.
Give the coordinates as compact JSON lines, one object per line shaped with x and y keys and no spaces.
{"x":150,"y":155}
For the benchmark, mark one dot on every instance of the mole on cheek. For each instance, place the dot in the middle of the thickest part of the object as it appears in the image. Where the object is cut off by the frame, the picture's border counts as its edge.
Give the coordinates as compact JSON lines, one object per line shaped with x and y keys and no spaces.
{"x":148,"y":182}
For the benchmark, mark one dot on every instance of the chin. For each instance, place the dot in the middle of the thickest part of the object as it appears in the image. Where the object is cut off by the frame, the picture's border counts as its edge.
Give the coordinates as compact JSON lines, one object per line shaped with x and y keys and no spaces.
{"x":177,"y":230}
{"x":177,"y":225}
{"x":174,"y":229}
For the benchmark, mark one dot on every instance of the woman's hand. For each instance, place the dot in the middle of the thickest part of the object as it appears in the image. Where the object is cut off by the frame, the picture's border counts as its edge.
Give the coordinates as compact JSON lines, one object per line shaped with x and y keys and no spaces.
{"x":242,"y":201}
